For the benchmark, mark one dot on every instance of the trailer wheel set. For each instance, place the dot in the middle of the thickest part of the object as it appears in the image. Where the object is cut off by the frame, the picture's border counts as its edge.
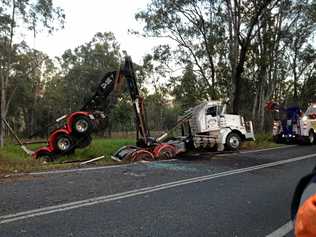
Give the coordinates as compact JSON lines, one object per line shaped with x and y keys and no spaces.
{"x":76,"y":133}
{"x":160,"y":151}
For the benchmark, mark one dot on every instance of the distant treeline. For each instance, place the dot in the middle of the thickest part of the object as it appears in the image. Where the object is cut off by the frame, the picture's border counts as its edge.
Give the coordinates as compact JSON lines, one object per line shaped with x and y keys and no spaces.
{"x":247,"y":52}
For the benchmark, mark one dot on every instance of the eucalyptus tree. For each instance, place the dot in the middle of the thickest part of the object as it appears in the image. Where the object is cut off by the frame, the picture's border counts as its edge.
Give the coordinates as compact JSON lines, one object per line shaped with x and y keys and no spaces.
{"x":195,"y":26}
{"x":16,"y":17}
{"x":210,"y":34}
{"x":299,"y":39}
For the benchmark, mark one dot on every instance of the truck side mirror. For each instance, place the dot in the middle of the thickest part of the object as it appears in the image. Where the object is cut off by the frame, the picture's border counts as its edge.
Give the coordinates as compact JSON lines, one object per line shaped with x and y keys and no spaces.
{"x":223,"y":109}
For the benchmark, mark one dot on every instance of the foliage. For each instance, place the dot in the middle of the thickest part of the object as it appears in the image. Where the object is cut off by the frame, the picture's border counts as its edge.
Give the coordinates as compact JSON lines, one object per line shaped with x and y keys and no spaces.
{"x":247,"y":51}
{"x":84,"y":66}
{"x":13,"y":160}
{"x":185,"y":90}
{"x":16,"y":16}
{"x":263,"y":141}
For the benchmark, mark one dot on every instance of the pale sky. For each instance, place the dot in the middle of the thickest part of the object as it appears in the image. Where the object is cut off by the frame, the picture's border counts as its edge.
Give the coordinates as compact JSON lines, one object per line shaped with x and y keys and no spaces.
{"x":85,"y":18}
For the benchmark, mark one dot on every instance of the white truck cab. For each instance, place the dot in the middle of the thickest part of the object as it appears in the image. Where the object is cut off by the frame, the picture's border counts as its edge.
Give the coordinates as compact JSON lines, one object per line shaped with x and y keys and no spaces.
{"x":307,"y":125}
{"x":210,"y":125}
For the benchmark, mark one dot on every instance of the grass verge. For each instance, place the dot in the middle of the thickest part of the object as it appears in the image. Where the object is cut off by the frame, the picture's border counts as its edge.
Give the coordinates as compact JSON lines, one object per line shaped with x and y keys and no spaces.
{"x":263,"y":140}
{"x":14,"y":160}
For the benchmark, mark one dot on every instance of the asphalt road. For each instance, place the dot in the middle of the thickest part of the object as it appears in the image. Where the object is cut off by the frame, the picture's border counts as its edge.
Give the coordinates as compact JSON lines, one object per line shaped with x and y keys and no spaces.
{"x":245,"y":194}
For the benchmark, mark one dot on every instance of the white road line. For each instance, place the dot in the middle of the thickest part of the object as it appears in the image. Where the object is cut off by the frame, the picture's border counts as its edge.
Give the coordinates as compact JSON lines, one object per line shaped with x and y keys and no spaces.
{"x":282,"y":231}
{"x":107,"y":198}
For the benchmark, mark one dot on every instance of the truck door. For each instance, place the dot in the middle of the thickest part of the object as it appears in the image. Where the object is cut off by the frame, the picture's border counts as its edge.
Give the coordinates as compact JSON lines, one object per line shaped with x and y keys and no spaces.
{"x":212,"y":116}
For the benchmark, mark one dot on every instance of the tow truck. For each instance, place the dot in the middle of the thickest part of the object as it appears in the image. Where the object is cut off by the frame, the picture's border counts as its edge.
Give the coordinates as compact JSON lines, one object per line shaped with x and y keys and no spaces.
{"x":295,"y":126}
{"x":307,"y":125}
{"x":286,"y":129}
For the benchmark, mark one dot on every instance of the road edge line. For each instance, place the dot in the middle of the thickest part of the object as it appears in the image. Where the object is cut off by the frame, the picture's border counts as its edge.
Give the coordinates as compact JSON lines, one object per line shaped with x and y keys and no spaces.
{"x":283,"y":230}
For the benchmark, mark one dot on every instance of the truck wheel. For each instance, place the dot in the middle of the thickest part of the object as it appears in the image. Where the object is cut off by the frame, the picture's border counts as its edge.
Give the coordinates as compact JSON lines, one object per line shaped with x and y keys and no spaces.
{"x":63,"y":143}
{"x":140,"y":155}
{"x":233,"y":141}
{"x":84,"y":142}
{"x":301,"y":140}
{"x":277,"y":139}
{"x":164,"y":151}
{"x":81,"y":125}
{"x":45,"y":156}
{"x":311,"y":138}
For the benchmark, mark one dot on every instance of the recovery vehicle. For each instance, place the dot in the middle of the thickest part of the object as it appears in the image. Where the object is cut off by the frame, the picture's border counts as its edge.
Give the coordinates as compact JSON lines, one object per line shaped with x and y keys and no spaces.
{"x":307,"y":125}
{"x":294,"y":125}
{"x":286,"y":129}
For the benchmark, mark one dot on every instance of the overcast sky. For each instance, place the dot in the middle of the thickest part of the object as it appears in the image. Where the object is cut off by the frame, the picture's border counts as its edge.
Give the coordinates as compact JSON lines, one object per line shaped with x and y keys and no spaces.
{"x":85,"y":18}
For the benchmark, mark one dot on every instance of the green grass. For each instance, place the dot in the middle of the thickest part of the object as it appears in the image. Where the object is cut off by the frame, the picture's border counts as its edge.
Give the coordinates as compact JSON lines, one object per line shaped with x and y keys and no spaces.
{"x":14,"y":160}
{"x":263,"y":140}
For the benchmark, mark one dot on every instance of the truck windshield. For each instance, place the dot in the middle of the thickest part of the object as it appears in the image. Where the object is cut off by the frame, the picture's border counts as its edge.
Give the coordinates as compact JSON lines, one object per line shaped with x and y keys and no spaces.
{"x":211,"y":111}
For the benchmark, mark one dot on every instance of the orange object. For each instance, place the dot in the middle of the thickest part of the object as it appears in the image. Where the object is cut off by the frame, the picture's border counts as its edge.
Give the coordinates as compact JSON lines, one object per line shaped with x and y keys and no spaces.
{"x":305,"y":224}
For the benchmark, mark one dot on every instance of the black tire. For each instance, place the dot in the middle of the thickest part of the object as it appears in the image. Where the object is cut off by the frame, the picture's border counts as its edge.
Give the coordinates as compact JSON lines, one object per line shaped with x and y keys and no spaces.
{"x":140,"y":155}
{"x":167,"y":153}
{"x":277,"y":139}
{"x":84,"y":142}
{"x":301,"y":140}
{"x":233,"y":141}
{"x":63,"y":143}
{"x":81,"y":125}
{"x":311,"y":138}
{"x":45,"y":156}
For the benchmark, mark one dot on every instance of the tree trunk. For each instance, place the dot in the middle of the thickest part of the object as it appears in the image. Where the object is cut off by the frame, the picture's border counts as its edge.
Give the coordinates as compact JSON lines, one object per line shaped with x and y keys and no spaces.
{"x":295,"y":80}
{"x":5,"y":76}
{"x":109,"y":128}
{"x":238,"y":79}
{"x":254,"y":107}
{"x":261,"y":115}
{"x":2,"y":110}
{"x":233,"y":25}
{"x":244,"y":44}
